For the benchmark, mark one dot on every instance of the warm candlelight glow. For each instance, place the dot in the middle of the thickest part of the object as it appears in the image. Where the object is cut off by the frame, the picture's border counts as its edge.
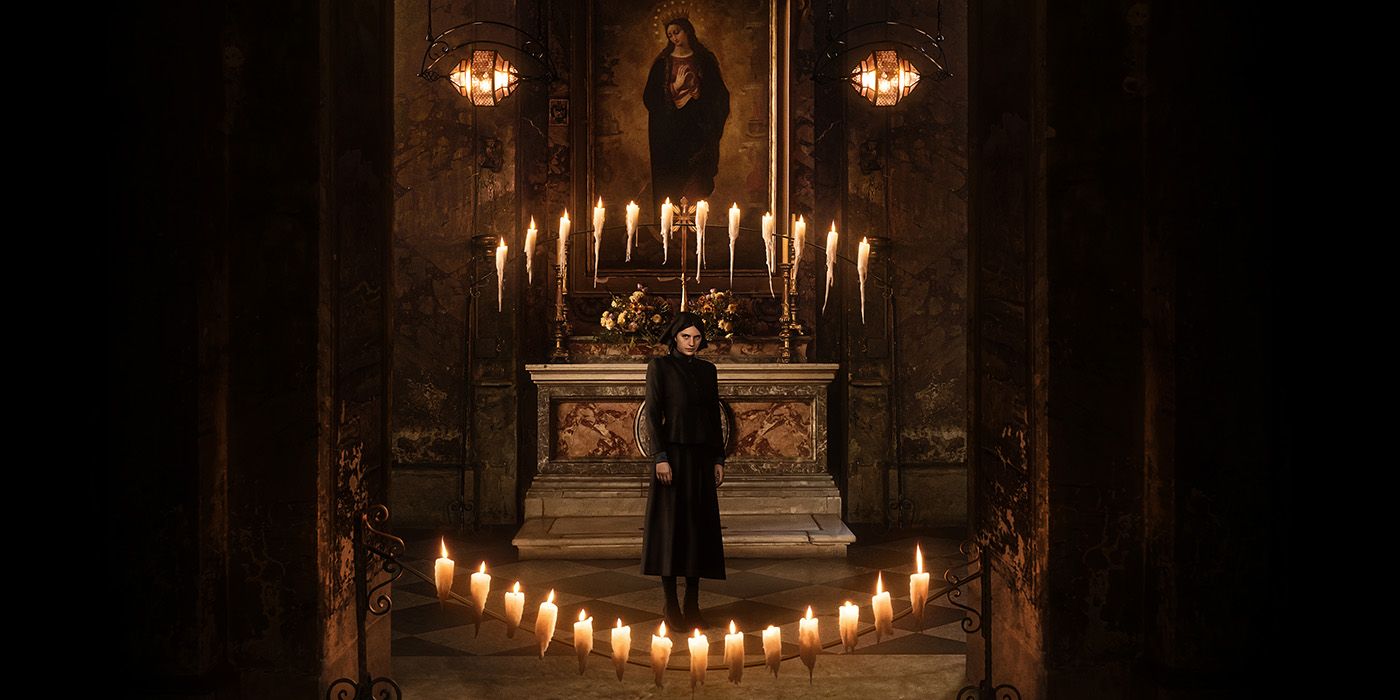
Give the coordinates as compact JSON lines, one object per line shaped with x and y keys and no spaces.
{"x":863,"y":268}
{"x":544,"y":622}
{"x":621,"y":647}
{"x":884,"y":77}
{"x":563,"y":260}
{"x":702,"y":215}
{"x":918,"y":586}
{"x":481,"y":587}
{"x":515,"y":609}
{"x":769,"y":248}
{"x":443,"y":570}
{"x":884,"y":611}
{"x":667,"y":212}
{"x":809,"y":641}
{"x":831,"y":238}
{"x":583,"y":638}
{"x":734,"y":653}
{"x":500,"y":272}
{"x":733,"y":236}
{"x":772,"y":648}
{"x":699,"y":658}
{"x":598,"y":215}
{"x":849,"y":620}
{"x":633,"y":211}
{"x":531,"y":234}
{"x":660,"y":655}
{"x":799,"y":243}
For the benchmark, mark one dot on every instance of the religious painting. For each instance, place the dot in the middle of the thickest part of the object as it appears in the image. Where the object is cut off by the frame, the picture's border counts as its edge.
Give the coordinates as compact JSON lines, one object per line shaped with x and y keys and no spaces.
{"x":683,"y":106}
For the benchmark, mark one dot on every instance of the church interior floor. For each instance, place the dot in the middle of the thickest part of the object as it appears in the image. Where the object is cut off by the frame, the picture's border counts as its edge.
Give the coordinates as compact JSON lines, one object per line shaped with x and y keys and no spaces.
{"x":438,"y":652}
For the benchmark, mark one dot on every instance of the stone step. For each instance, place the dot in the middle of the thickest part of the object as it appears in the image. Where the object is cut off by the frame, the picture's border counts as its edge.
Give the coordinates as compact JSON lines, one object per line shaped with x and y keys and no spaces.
{"x":559,"y":496}
{"x":745,"y":536}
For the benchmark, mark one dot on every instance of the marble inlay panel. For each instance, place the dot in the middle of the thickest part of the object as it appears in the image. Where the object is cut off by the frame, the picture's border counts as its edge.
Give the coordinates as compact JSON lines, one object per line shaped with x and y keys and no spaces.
{"x":595,"y":429}
{"x":773,"y":429}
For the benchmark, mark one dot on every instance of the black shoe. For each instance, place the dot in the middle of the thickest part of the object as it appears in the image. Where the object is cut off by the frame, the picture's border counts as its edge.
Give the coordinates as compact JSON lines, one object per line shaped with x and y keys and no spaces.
{"x":674,"y":619}
{"x":694,"y":620}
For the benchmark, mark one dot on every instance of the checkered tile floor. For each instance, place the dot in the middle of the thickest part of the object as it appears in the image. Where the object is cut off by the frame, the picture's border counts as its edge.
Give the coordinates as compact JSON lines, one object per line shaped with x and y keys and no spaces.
{"x":757,"y":593}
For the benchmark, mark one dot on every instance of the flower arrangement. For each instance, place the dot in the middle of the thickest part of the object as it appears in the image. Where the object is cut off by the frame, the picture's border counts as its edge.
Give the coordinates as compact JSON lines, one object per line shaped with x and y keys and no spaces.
{"x":638,"y":316}
{"x":725,"y":313}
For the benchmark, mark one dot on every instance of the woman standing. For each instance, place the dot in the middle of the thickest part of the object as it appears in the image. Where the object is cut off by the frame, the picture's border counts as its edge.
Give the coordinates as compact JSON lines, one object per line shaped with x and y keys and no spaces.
{"x":688,"y":105}
{"x":682,"y":530}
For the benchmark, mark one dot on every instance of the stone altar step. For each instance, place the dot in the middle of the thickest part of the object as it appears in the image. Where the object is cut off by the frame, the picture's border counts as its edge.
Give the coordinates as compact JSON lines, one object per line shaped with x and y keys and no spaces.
{"x":745,"y":536}
{"x":557,"y":495}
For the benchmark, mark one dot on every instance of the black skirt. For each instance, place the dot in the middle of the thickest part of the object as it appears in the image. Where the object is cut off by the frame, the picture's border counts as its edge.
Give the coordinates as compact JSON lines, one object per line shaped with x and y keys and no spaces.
{"x":682,"y":534}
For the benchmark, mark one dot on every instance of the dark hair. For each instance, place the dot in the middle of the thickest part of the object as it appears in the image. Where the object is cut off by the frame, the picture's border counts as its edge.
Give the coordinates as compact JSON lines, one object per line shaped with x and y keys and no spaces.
{"x":682,"y":321}
{"x":689,"y":29}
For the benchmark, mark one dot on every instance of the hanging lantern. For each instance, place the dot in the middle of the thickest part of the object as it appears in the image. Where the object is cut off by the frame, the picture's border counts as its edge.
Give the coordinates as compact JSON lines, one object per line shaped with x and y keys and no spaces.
{"x":487,"y":78}
{"x":884,"y":78}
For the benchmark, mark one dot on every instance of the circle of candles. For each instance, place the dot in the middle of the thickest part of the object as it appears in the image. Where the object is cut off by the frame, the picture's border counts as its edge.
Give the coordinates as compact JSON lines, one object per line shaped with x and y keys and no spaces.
{"x":660,"y":654}
{"x":481,"y":586}
{"x":544,"y":622}
{"x":621,"y":647}
{"x":734,"y":653}
{"x":443,"y":570}
{"x":884,"y":612}
{"x":918,"y":586}
{"x":772,"y":648}
{"x":850,"y":618}
{"x":809,"y":643}
{"x":515,"y":609}
{"x":699,"y":658}
{"x":583,"y":638}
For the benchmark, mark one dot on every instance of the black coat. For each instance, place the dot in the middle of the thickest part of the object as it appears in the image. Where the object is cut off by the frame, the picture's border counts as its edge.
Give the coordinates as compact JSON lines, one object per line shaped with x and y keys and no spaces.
{"x":682,"y":535}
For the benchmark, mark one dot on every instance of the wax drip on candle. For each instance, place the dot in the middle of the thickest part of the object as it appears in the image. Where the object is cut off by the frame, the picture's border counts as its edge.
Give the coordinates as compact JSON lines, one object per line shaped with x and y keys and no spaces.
{"x":598,"y":215}
{"x":530,"y":235}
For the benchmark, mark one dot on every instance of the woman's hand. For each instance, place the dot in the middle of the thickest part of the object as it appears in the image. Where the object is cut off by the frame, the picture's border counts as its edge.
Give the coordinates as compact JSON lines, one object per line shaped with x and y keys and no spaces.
{"x":663,"y":472}
{"x":719,"y":474}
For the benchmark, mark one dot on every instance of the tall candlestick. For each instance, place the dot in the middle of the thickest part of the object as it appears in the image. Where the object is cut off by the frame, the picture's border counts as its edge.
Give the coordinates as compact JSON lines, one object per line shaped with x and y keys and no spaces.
{"x":830,"y":262}
{"x":564,"y":250}
{"x":884,"y":613}
{"x":544,"y":622}
{"x":666,"y":214}
{"x":733,"y":236}
{"x":918,"y":586}
{"x":443,"y":569}
{"x":734,"y":653}
{"x":699,"y":658}
{"x":583,"y":638}
{"x":598,"y":216}
{"x":850,"y":618}
{"x":621,"y":647}
{"x":660,"y":654}
{"x":702,"y":215}
{"x":481,"y":586}
{"x":799,"y":242}
{"x":500,"y":272}
{"x":633,"y":211}
{"x":772,"y":648}
{"x":769,"y":248}
{"x":809,"y":643}
{"x":515,"y":609}
{"x":530,"y":235}
{"x":863,"y":267}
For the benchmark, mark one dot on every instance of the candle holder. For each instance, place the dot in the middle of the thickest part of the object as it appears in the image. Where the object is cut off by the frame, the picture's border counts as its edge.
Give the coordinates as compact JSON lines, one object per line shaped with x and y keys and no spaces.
{"x":978,"y":620}
{"x":371,"y":545}
{"x":562,"y":328}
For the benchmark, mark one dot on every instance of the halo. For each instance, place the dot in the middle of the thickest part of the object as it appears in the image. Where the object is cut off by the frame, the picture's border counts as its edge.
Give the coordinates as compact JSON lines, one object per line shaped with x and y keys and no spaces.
{"x":672,"y":9}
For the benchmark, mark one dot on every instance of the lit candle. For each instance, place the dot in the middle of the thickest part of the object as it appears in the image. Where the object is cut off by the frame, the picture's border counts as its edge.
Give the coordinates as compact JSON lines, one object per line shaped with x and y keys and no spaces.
{"x":850,"y":617}
{"x":442,"y":573}
{"x":666,"y":214}
{"x":808,"y":641}
{"x":530,"y":235}
{"x":799,"y":241}
{"x":481,"y":585}
{"x":830,"y":262}
{"x":633,"y":211}
{"x":500,"y":272}
{"x":884,"y":613}
{"x":733,"y":236}
{"x":515,"y":609}
{"x":660,"y":654}
{"x":583,"y":638}
{"x":863,"y":267}
{"x":772,"y":648}
{"x":564,"y":249}
{"x":702,"y":215}
{"x":621,"y":647}
{"x":598,"y":215}
{"x":544,"y":622}
{"x":699,"y":658}
{"x":734,"y":653}
{"x":769,"y":248}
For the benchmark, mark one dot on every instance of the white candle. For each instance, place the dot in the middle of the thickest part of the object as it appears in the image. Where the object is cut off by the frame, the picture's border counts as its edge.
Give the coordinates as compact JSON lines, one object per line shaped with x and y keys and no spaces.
{"x":733,"y":236}
{"x":666,"y":214}
{"x":515,"y":609}
{"x":530,"y":235}
{"x":799,"y":241}
{"x":481,"y":586}
{"x":863,"y":267}
{"x":598,"y":216}
{"x":702,"y":215}
{"x":621,"y":647}
{"x":850,"y":618}
{"x":544,"y":622}
{"x":769,"y":248}
{"x":583,"y":638}
{"x":633,"y":211}
{"x":772,"y":648}
{"x":831,"y":237}
{"x":884,"y":613}
{"x":443,"y":569}
{"x":918,"y":586}
{"x":500,"y":272}
{"x":660,"y":654}
{"x":699,"y":658}
{"x":809,"y":643}
{"x":734,"y":653}
{"x":564,"y":249}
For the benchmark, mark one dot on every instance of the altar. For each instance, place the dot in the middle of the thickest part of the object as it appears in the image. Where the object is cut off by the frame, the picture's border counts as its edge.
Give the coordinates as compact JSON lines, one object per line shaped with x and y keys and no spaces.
{"x":589,"y":496}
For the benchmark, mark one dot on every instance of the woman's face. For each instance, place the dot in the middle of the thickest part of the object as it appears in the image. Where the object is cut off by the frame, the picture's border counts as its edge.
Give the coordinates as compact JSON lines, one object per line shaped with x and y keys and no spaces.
{"x":677,"y":36}
{"x":688,"y":340}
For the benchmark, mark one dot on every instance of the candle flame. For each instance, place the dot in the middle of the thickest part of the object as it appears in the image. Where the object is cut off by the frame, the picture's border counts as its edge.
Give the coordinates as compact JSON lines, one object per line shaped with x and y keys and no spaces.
{"x":619,"y":623}
{"x":879,"y":583}
{"x":600,"y":202}
{"x":532,"y":222}
{"x":734,"y":205}
{"x":847,"y":603}
{"x":919,"y":559}
{"x":483,"y":568}
{"x":809,"y":612}
{"x":565,"y":217}
{"x":550,"y":599}
{"x":732,"y":630}
{"x":833,"y":226}
{"x":582,"y":614}
{"x":517,"y":587}
{"x":444,"y":548}
{"x":662,"y":631}
{"x":697,"y":632}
